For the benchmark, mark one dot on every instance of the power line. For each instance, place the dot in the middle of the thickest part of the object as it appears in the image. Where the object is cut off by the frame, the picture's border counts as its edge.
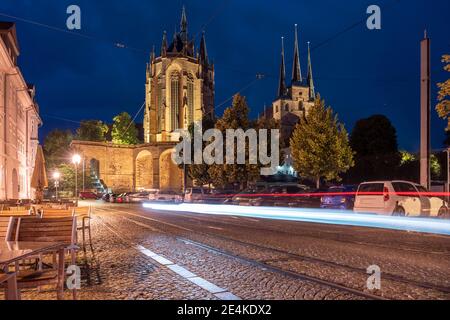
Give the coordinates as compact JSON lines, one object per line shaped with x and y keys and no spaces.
{"x":77,"y":34}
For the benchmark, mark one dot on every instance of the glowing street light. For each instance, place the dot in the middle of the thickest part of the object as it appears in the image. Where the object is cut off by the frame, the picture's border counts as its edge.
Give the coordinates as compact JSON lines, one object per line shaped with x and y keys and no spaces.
{"x":76,"y":160}
{"x":56,"y":177}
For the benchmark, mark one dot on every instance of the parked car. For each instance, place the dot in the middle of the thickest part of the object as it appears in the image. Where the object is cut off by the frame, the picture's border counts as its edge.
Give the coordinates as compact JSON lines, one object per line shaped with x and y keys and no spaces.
{"x":106,"y":197}
{"x":246,"y":198}
{"x":113,"y":197}
{"x":85,"y":195}
{"x":152,"y":195}
{"x":168,"y":196}
{"x":137,"y":197}
{"x":195,"y":195}
{"x":298,"y":196}
{"x":398,"y":198}
{"x":340,"y":197}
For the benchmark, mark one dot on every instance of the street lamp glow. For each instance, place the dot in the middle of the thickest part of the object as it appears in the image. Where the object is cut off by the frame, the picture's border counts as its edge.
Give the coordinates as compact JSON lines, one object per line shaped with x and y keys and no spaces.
{"x":76,"y":159}
{"x":56,"y":175}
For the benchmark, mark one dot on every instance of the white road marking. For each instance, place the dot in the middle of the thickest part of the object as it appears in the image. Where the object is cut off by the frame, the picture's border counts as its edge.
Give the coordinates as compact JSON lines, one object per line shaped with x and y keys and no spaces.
{"x":218,"y":292}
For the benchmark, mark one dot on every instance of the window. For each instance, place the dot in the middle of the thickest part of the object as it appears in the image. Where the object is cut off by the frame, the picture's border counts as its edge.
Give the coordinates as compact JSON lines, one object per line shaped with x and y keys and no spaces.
{"x":286,"y":108}
{"x":406,"y":189}
{"x":371,"y":188}
{"x":190,"y":99}
{"x":174,"y":100}
{"x":159,"y":98}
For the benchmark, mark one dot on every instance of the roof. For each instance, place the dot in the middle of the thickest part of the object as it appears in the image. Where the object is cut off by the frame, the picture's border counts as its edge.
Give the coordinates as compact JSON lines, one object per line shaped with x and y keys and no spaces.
{"x":9,"y":28}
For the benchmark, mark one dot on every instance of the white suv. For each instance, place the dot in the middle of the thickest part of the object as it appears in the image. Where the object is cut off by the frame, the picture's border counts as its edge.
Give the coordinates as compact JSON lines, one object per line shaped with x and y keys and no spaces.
{"x":398,"y":198}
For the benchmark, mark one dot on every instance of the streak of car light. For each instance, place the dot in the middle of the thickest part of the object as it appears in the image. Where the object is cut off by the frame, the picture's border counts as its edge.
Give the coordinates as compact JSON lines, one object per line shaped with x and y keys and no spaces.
{"x":323,"y":216}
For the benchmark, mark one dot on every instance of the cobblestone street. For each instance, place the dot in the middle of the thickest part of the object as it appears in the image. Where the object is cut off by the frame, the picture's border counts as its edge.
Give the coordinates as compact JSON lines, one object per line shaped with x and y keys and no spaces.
{"x":144,"y":254}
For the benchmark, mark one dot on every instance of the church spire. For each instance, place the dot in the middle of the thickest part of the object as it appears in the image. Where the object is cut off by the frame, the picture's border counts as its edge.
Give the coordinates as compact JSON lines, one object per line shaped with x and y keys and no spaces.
{"x":312,"y":91}
{"x":164,"y":45}
{"x":296,"y":69}
{"x":183,"y":23}
{"x":203,"y":51}
{"x":282,"y":85}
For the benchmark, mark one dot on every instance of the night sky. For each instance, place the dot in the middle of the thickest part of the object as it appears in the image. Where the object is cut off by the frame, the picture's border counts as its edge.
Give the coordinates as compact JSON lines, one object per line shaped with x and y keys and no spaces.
{"x":358,"y":72}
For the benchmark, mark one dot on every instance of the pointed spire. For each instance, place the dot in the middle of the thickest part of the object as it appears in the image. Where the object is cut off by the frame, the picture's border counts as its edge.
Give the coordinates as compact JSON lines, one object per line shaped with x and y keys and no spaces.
{"x":312,"y":91}
{"x":152,"y":55}
{"x":282,"y":85}
{"x":183,"y":23}
{"x":296,"y":69}
{"x":164,"y":45}
{"x":203,"y":51}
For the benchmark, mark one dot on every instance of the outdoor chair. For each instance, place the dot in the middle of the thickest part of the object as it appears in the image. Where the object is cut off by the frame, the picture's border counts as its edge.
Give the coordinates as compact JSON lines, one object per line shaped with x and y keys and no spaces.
{"x":5,"y":228}
{"x":56,"y":213}
{"x":83,"y":215}
{"x":22,"y":213}
{"x":62,"y":230}
{"x":8,"y":281}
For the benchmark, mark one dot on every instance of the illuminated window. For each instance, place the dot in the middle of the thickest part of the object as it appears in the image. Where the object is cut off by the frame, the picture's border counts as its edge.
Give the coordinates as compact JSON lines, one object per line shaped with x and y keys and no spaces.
{"x":159,"y":101}
{"x":174,"y":100}
{"x":190,"y":99}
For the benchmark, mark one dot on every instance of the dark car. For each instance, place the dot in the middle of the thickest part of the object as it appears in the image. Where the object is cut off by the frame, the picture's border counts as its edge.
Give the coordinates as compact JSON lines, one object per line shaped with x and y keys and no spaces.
{"x":88,"y":196}
{"x":340,"y":198}
{"x":246,"y":198}
{"x":106,"y":197}
{"x":288,"y":196}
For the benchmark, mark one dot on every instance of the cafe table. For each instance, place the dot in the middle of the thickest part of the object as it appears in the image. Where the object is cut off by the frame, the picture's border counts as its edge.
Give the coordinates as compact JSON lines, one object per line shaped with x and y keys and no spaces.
{"x":12,"y":252}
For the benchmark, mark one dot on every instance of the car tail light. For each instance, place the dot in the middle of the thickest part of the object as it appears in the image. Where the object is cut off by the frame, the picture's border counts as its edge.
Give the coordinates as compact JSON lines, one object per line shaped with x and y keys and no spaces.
{"x":386,"y":194}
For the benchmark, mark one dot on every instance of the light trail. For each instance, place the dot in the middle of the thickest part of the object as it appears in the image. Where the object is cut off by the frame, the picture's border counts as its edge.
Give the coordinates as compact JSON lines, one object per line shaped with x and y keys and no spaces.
{"x":333,"y":217}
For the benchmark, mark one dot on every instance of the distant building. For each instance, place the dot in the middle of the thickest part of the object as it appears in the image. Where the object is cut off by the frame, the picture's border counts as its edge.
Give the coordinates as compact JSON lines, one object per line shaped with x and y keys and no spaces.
{"x":294,"y":101}
{"x":19,"y":121}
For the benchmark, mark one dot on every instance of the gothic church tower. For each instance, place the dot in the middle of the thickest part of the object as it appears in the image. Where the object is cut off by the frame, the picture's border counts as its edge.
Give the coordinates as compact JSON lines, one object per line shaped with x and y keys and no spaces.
{"x":179,"y":86}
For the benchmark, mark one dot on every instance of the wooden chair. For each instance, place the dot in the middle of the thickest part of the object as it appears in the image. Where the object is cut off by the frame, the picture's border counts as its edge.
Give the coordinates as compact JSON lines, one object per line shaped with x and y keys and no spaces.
{"x":22,"y":213}
{"x":56,"y":213}
{"x":62,"y":230}
{"x":5,"y":228}
{"x":9,"y":282}
{"x":83,"y":215}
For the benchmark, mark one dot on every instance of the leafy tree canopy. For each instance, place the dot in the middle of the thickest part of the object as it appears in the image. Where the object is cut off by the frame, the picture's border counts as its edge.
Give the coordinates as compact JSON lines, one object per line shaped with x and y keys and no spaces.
{"x":443,"y":106}
{"x":57,"y":147}
{"x":92,"y":130}
{"x":124,"y":130}
{"x":320,"y":146}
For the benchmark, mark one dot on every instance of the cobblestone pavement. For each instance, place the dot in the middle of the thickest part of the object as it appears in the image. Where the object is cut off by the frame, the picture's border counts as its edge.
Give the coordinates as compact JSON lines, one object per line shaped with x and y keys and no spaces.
{"x":142,"y":254}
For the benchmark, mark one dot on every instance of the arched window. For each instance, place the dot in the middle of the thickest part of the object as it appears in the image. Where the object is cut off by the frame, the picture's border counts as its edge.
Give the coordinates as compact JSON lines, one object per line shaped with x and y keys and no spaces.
{"x":174,"y":100}
{"x":286,"y":108}
{"x":159,"y":99}
{"x":190,"y":99}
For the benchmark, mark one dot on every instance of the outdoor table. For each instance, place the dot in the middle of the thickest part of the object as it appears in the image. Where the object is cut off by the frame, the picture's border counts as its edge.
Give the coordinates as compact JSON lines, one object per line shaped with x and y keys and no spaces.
{"x":13,"y":252}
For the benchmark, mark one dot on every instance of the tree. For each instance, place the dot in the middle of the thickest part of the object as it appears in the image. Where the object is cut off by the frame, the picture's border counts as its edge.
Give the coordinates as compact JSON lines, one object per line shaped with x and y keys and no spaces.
{"x":124,"y":130}
{"x":92,"y":130}
{"x":235,"y":117}
{"x":199,"y":173}
{"x":57,"y":147}
{"x":443,"y":106}
{"x":320,"y":145}
{"x":374,"y":141}
{"x":67,"y":180}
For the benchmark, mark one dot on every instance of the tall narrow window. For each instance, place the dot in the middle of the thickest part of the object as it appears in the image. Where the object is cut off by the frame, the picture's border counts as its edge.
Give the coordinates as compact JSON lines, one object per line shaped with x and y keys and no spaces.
{"x":174,"y":101}
{"x":190,"y":99}
{"x":159,"y":98}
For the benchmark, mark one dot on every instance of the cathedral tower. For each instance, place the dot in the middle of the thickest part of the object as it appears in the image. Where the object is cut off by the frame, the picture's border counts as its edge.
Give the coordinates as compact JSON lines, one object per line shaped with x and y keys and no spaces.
{"x":179,"y":86}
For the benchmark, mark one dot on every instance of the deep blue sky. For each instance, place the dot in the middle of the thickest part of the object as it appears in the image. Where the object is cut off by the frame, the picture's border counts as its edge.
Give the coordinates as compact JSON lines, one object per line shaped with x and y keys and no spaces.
{"x":359,"y":73}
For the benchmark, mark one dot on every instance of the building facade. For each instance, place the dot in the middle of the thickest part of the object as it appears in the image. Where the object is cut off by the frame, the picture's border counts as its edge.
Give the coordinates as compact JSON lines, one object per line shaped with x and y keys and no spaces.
{"x":19,"y":121}
{"x":179,"y":90}
{"x":179,"y":86}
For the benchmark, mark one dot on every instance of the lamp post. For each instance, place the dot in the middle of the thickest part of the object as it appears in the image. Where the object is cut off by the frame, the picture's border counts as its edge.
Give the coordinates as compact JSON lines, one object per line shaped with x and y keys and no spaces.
{"x":56,"y":177}
{"x":76,"y":159}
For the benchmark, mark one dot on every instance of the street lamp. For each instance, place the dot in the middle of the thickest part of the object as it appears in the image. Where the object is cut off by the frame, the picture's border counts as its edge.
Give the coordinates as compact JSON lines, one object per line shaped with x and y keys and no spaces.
{"x":76,"y":160}
{"x":56,"y":177}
